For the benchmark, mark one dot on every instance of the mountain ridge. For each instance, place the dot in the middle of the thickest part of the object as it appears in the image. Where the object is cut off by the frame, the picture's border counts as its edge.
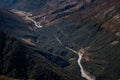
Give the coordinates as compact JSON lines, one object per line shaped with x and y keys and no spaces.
{"x":94,"y":27}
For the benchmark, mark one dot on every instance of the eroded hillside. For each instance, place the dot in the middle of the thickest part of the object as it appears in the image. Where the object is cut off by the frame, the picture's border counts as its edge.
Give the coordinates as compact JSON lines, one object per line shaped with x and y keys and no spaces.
{"x":93,"y":26}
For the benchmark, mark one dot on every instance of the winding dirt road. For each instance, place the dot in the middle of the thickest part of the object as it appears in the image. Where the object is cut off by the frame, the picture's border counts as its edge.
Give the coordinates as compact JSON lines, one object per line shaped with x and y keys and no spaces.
{"x":27,"y":16}
{"x":84,"y":74}
{"x":37,"y":24}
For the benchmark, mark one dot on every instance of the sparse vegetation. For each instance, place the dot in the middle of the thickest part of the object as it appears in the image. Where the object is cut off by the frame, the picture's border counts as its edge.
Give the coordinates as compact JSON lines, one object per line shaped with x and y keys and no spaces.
{"x":96,"y":25}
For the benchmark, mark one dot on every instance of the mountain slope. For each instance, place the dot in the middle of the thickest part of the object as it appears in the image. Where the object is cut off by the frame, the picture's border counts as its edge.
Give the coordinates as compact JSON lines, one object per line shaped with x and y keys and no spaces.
{"x":25,"y":61}
{"x":16,"y":60}
{"x":13,"y":24}
{"x":47,"y":11}
{"x":95,"y":28}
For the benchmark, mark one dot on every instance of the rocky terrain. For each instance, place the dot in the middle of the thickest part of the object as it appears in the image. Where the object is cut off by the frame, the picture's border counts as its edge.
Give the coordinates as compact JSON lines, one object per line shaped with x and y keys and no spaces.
{"x":89,"y":24}
{"x":45,"y":10}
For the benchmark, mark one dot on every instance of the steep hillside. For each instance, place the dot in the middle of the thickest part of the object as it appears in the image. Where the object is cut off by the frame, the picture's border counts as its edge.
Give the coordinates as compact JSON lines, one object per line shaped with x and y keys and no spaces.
{"x":27,"y":5}
{"x":96,"y":27}
{"x":13,"y":24}
{"x":20,"y":61}
{"x":93,"y":26}
{"x":104,"y":14}
{"x":27,"y":61}
{"x":47,"y":11}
